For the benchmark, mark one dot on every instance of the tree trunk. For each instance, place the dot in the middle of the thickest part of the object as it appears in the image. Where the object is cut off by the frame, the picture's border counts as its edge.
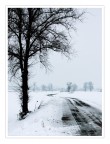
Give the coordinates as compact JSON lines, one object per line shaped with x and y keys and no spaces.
{"x":25,"y":96}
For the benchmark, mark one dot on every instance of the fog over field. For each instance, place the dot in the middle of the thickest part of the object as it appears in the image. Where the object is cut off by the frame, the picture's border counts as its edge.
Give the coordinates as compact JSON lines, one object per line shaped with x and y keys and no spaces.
{"x":86,"y":62}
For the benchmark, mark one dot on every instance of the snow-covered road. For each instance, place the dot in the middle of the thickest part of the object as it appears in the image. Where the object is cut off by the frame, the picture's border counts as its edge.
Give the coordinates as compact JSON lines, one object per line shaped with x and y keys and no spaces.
{"x":71,"y":112}
{"x":88,"y":118}
{"x":58,"y":116}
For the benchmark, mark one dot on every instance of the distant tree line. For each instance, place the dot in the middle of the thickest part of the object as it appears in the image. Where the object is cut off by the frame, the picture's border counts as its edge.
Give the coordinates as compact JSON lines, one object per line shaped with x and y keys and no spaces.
{"x":69,"y":87}
{"x":88,"y":86}
{"x":43,"y":87}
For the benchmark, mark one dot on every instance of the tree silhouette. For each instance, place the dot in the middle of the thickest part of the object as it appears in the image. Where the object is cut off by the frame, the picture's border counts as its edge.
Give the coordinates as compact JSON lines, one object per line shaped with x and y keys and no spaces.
{"x":74,"y":87}
{"x":32,"y":32}
{"x":91,"y":87}
{"x":69,"y":86}
{"x":88,"y":86}
{"x":85,"y":86}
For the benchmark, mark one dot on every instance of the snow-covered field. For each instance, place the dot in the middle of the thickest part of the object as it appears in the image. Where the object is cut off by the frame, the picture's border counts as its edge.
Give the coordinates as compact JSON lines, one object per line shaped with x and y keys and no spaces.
{"x":47,"y":112}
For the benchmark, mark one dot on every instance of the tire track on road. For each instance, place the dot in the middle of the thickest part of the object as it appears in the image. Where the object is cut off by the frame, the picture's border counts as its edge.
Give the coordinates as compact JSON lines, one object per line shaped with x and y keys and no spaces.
{"x":88,"y":118}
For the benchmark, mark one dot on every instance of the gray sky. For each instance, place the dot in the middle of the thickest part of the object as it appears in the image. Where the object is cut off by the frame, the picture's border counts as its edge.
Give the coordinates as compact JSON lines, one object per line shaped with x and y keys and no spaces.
{"x":84,"y":66}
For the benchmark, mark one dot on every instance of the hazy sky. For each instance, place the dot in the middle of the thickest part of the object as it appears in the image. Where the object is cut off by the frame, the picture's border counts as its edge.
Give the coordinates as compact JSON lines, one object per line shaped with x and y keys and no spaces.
{"x":84,"y":66}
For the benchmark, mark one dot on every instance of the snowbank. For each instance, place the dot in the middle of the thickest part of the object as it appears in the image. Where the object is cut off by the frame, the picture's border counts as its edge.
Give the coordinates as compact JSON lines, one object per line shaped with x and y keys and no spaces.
{"x":47,"y":110}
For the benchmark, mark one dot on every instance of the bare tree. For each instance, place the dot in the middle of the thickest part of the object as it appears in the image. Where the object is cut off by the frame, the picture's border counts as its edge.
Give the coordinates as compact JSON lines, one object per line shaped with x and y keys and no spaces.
{"x":90,"y":85}
{"x":50,"y":87}
{"x":32,"y":32}
{"x":85,"y":86}
{"x":69,"y":86}
{"x":74,"y":87}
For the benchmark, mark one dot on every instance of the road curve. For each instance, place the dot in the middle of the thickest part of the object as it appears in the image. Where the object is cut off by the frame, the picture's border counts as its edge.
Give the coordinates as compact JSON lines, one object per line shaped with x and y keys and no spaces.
{"x":76,"y":117}
{"x":86,"y":117}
